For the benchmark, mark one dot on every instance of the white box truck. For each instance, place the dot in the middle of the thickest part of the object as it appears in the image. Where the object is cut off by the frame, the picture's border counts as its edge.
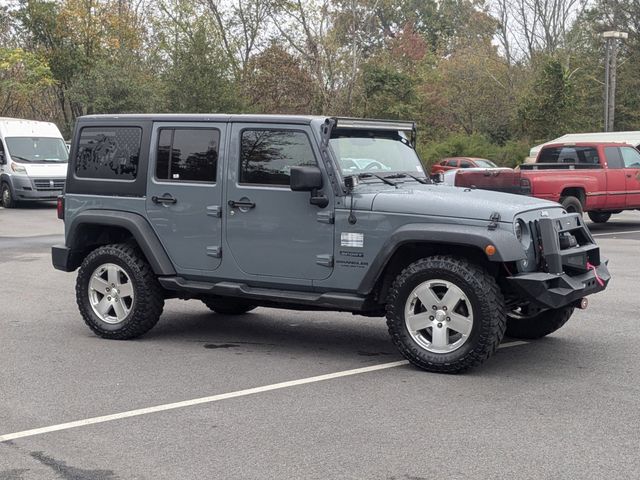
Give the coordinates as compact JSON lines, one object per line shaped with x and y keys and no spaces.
{"x":33,"y":161}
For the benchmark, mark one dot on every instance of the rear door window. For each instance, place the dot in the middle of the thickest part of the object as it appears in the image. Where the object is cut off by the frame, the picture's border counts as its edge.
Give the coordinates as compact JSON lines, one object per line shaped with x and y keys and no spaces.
{"x":452,"y":163}
{"x":187,"y":154}
{"x":614,"y":158}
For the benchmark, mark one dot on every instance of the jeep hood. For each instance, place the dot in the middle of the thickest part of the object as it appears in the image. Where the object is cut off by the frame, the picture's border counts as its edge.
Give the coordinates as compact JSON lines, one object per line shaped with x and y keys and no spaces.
{"x":446,"y":201}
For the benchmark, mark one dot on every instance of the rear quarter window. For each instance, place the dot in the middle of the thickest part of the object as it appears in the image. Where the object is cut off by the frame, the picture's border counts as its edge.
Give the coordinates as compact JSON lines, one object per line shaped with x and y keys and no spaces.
{"x":108,"y":153}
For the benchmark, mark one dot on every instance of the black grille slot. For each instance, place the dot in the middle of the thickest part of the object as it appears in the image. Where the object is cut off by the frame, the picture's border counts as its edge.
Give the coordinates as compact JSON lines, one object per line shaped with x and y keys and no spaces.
{"x":48,"y":185}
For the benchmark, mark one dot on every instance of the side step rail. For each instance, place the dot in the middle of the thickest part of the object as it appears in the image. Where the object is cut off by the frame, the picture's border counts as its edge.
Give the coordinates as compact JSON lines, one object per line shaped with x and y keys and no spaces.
{"x":329,"y":300}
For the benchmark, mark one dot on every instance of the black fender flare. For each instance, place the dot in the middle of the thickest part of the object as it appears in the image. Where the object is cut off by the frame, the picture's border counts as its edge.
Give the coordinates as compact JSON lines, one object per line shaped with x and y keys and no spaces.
{"x":137,"y":225}
{"x":508,"y":248}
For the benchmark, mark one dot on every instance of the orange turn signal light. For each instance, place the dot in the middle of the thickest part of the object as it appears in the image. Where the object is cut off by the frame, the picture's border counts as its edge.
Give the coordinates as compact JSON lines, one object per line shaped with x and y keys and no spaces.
{"x":490,"y":250}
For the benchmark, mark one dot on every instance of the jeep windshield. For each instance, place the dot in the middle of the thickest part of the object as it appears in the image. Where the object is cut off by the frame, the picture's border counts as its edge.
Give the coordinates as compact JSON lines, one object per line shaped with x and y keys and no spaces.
{"x":374,"y":152}
{"x":37,"y":150}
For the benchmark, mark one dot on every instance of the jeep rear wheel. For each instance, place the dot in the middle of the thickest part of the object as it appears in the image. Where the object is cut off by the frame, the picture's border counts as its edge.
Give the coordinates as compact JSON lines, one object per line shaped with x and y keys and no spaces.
{"x":228,"y":306}
{"x":117,"y":293}
{"x":445,"y":314}
{"x":528,"y":324}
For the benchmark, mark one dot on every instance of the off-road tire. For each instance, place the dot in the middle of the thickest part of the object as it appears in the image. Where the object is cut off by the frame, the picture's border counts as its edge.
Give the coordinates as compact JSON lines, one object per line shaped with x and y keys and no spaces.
{"x":148,"y":294}
{"x":228,"y":306}
{"x":599,"y":217}
{"x":538,"y":326}
{"x":572,"y":204}
{"x":486,"y":299}
{"x":6,"y":197}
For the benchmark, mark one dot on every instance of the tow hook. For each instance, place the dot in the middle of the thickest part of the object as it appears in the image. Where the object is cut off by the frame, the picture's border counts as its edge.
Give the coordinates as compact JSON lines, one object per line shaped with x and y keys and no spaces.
{"x":583,"y":303}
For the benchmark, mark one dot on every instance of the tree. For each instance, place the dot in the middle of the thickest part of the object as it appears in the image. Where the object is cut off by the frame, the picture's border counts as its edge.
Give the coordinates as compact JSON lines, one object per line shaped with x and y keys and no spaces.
{"x":276,"y":82}
{"x":545,"y":108}
{"x":23,"y":77}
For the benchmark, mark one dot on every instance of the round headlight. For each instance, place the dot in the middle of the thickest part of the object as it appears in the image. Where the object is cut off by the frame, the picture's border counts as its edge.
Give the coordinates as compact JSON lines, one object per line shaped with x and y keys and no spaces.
{"x":518,"y":230}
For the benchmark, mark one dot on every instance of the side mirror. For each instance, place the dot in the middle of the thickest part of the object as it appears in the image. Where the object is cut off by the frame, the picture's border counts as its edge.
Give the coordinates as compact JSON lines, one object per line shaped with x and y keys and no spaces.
{"x":308,"y":179}
{"x":437,"y":177}
{"x":305,"y":179}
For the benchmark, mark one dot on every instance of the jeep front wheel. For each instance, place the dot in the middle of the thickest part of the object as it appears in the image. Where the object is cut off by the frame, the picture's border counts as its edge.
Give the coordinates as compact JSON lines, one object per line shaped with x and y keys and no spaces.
{"x":117,"y":293}
{"x":445,"y":314}
{"x":228,"y":306}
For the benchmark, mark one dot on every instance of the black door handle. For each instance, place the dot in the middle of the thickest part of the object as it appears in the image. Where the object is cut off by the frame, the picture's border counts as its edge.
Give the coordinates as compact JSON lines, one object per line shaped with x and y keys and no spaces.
{"x":234,"y":204}
{"x":629,"y":175}
{"x":165,"y":199}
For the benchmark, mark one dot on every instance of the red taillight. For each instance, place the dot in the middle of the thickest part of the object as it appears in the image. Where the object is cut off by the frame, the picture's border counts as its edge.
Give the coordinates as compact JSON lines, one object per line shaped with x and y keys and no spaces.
{"x":525,"y":186}
{"x":60,"y":207}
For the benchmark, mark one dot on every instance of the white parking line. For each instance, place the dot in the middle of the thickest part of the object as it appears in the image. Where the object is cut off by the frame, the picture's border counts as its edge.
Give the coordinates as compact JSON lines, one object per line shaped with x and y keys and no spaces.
{"x":615,"y":233}
{"x":211,"y":399}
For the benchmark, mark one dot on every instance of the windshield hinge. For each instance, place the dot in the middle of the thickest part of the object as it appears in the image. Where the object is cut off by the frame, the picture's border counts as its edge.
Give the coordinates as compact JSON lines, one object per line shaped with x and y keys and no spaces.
{"x":495,"y":218}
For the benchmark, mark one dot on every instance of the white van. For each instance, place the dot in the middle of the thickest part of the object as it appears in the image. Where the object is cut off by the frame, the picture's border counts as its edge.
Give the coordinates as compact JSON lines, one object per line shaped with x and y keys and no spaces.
{"x":33,"y":161}
{"x":630,"y":138}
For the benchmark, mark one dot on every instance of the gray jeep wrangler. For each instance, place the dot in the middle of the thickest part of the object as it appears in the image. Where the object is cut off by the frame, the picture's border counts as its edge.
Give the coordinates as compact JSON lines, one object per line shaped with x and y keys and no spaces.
{"x":311,"y":213}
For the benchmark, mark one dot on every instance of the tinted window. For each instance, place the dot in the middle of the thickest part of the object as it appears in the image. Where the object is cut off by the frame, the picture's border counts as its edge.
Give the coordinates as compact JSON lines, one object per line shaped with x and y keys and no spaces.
{"x":587,"y":155}
{"x":631,"y":157}
{"x":614,"y":159}
{"x":187,"y":155}
{"x":452,"y":163}
{"x":108,"y":153}
{"x":266,"y":156}
{"x":465,"y":164}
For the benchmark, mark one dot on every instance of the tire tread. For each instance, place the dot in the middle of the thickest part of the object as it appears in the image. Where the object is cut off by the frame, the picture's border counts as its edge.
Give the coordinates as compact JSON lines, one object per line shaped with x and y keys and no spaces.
{"x":492,"y":333}
{"x":149,"y":294}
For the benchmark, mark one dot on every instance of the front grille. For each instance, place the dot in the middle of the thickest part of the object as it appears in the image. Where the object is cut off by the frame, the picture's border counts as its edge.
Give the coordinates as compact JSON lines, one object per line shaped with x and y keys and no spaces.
{"x":48,"y":185}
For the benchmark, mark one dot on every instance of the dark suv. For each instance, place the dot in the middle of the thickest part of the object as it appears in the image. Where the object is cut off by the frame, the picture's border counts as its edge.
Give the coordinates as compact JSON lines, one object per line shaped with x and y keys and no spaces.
{"x":312,"y":213}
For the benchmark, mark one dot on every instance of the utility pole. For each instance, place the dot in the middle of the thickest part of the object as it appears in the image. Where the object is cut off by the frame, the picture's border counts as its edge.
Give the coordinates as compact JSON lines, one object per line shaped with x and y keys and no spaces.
{"x":610,"y":72}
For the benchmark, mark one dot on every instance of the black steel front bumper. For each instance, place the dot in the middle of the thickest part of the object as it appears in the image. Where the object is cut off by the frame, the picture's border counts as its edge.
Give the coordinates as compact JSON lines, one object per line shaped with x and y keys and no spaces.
{"x":551,"y":290}
{"x":569,"y":263}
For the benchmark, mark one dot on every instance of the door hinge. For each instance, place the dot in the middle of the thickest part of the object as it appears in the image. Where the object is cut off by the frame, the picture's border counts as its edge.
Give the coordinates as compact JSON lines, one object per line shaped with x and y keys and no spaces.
{"x":326,"y":260}
{"x":214,"y":251}
{"x":325,"y":217}
{"x":214,"y":211}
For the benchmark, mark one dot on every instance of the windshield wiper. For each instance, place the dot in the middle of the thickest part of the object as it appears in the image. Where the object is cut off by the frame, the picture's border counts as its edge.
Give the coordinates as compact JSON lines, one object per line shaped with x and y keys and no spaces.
{"x":405,"y":174}
{"x":379,"y":177}
{"x":18,"y":157}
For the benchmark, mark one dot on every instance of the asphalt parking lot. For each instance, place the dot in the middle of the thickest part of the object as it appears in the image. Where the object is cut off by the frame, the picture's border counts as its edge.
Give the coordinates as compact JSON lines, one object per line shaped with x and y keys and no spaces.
{"x":567,"y":406}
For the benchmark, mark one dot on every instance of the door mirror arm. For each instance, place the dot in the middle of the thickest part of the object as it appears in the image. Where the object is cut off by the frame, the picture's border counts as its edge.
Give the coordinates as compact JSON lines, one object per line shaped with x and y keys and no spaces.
{"x":318,"y":199}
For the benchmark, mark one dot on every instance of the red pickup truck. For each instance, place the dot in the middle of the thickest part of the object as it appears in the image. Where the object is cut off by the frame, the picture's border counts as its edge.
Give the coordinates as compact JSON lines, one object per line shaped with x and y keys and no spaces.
{"x":597,"y":178}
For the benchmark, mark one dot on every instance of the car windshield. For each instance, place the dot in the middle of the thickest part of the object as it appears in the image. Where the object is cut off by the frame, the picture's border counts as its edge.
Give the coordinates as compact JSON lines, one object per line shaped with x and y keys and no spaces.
{"x":37,"y":149}
{"x":374,"y":152}
{"x":485,"y":163}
